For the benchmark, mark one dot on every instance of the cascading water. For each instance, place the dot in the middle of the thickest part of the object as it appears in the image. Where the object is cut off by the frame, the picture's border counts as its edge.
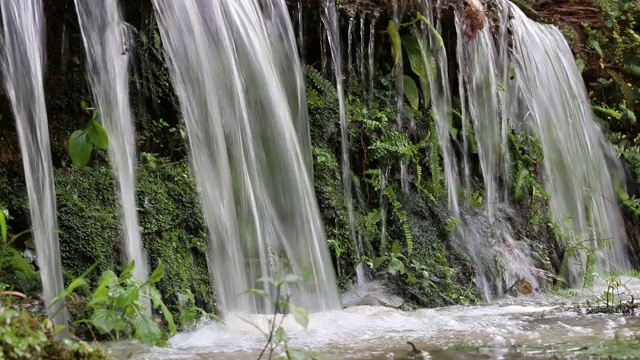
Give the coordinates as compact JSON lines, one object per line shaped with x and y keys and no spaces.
{"x":330,"y":20}
{"x":352,"y":22}
{"x":399,"y":75}
{"x":301,"y":45}
{"x":290,"y":67}
{"x":579,"y":163}
{"x":433,"y":52}
{"x":258,"y":198}
{"x":371,"y":52}
{"x":360,"y":53}
{"x":106,"y":41}
{"x":549,"y":87}
{"x":23,"y":59}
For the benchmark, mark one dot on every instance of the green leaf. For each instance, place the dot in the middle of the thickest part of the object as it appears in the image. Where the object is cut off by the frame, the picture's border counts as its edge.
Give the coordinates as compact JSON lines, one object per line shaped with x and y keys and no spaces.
{"x":396,"y":247}
{"x":84,"y":105}
{"x":100,"y":294}
{"x":147,"y":330}
{"x":80,"y":148}
{"x":127,"y":272}
{"x":3,"y":225}
{"x":432,"y":29}
{"x":106,"y":320}
{"x":267,"y":280}
{"x":419,"y":64}
{"x":379,"y":261}
{"x":98,"y":135}
{"x":411,"y":92}
{"x":300,"y":314}
{"x":157,"y":274}
{"x":396,"y":266}
{"x":156,"y":300}
{"x":127,"y":297}
{"x":395,"y":40}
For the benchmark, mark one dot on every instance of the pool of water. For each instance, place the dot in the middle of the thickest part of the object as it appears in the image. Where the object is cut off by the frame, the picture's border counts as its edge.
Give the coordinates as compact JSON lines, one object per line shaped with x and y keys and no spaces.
{"x":540,"y":326}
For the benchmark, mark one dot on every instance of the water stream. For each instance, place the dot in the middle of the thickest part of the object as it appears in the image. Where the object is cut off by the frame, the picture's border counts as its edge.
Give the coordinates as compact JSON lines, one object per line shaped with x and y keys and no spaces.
{"x":23,"y":62}
{"x":331,"y":21}
{"x":107,"y":41}
{"x":526,"y":327}
{"x":245,"y":151}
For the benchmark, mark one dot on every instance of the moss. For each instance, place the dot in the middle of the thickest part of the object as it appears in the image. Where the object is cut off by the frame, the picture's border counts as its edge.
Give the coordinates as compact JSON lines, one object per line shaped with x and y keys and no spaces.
{"x":170,"y":221}
{"x":25,"y":336}
{"x":17,"y":272}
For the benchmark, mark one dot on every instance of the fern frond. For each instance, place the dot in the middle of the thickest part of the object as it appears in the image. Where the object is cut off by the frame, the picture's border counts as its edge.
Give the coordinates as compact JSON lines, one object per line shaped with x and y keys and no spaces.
{"x":632,"y":69}
{"x":627,"y":91}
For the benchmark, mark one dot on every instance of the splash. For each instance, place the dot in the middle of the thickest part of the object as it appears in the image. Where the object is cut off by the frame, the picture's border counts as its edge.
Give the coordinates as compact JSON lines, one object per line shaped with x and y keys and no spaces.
{"x":23,"y":71}
{"x":257,"y":195}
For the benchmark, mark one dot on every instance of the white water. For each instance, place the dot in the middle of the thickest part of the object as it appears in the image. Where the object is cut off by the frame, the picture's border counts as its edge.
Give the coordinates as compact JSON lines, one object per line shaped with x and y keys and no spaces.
{"x":250,"y":168}
{"x":549,"y":88}
{"x":535,"y":325}
{"x":360,"y":52}
{"x":23,"y":59}
{"x":331,"y":22}
{"x":352,"y":22}
{"x":399,"y":78}
{"x":579,"y":162}
{"x":107,"y":42}
{"x":372,"y":52}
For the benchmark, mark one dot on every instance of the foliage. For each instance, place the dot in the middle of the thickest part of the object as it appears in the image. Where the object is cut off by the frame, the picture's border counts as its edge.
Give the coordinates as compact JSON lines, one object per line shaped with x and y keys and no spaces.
{"x":118,"y":307}
{"x":15,"y":271}
{"x":170,"y":218}
{"x":275,"y":335}
{"x":24,"y":335}
{"x":82,"y":142}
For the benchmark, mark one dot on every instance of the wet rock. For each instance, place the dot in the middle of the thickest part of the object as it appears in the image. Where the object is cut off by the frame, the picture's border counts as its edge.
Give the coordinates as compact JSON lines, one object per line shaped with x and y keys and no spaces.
{"x":374,"y":293}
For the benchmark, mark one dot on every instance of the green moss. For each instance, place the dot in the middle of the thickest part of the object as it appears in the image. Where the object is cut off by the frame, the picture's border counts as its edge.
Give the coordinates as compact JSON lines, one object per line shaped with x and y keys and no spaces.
{"x":17,"y":272}
{"x":170,"y":218}
{"x":25,"y":336}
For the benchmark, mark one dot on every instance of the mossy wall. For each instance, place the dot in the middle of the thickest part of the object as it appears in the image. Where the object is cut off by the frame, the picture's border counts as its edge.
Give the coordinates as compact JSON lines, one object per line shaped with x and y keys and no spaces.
{"x":171,"y":223}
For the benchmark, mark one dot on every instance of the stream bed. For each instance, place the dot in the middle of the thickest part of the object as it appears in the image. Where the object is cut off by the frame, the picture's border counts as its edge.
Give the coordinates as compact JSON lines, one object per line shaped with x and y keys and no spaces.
{"x":528,"y":327}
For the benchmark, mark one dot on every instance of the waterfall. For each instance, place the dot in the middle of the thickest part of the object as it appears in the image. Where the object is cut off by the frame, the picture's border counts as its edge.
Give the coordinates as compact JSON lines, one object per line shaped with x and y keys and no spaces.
{"x":371,"y":52}
{"x":107,"y":42}
{"x":361,"y":50}
{"x":577,"y":155}
{"x":399,"y":76}
{"x":352,"y":22}
{"x":433,"y":52}
{"x":301,"y":45}
{"x":258,"y":198}
{"x":330,"y":20}
{"x":23,"y":60}
{"x":290,"y":67}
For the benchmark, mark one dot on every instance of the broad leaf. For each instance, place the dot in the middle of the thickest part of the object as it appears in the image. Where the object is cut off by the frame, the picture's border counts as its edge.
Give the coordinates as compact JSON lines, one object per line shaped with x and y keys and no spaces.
{"x":157,"y":274}
{"x":418,"y":64}
{"x":411,"y":92}
{"x":396,"y":266}
{"x":395,"y":40}
{"x":127,"y":297}
{"x":147,"y":330}
{"x":106,"y":320}
{"x":157,"y":302}
{"x":80,"y":148}
{"x":98,"y":135}
{"x":300,"y":314}
{"x":396,"y":247}
{"x":379,"y":261}
{"x":432,"y":29}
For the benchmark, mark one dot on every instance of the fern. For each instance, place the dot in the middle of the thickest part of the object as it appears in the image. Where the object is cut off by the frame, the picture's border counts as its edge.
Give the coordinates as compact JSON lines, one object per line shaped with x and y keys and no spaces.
{"x":632,"y":69}
{"x":626,"y":89}
{"x":324,"y":87}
